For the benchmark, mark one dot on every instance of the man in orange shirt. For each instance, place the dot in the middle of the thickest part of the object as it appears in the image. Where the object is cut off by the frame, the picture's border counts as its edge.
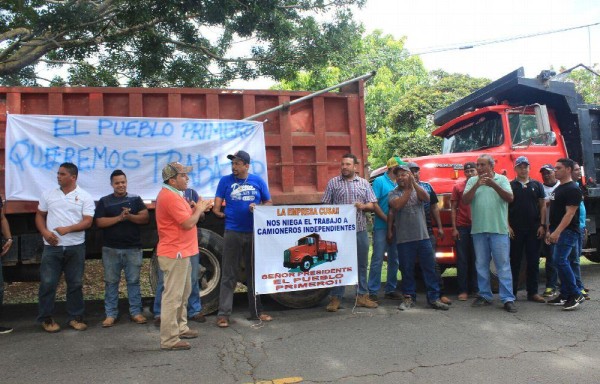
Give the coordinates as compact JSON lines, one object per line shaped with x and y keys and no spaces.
{"x":176,"y":221}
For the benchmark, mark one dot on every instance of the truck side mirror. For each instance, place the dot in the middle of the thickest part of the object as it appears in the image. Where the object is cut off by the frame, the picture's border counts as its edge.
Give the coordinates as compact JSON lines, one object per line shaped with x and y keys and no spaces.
{"x":541,"y":118}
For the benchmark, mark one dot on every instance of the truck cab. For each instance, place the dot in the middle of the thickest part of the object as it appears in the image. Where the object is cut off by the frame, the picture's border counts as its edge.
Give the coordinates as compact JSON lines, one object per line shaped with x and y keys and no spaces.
{"x":511,"y":117}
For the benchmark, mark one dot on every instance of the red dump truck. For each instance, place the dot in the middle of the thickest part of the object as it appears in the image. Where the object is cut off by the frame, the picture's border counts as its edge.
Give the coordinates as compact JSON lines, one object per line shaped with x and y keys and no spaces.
{"x":309,"y":251}
{"x":541,"y":118}
{"x":305,"y":138}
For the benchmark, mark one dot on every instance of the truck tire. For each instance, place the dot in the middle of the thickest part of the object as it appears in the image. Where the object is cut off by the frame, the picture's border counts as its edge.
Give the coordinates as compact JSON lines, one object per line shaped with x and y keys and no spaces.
{"x":301,"y":299}
{"x":591,"y":248}
{"x":306,"y":264}
{"x":210,"y":246}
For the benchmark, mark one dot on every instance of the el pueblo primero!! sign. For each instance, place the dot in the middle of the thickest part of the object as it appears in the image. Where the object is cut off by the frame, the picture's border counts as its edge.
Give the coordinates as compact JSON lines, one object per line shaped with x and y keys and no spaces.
{"x":304,"y":247}
{"x":37,"y":144}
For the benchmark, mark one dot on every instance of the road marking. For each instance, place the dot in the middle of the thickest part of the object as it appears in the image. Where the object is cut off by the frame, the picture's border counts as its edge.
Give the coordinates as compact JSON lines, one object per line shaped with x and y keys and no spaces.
{"x":283,"y":380}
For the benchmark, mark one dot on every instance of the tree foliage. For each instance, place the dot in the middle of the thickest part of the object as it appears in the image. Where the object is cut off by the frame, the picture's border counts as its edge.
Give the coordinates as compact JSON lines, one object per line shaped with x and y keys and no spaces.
{"x":399,"y":101}
{"x":587,"y":83}
{"x":171,"y":42}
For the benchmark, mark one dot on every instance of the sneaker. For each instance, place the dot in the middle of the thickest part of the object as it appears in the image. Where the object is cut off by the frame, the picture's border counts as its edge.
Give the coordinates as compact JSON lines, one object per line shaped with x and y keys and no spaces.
{"x":50,"y":326}
{"x":480,"y":302}
{"x":509,"y":306}
{"x":139,"y":319}
{"x":580,"y":298}
{"x":334,"y":304}
{"x":573,"y":302}
{"x":157,"y":321}
{"x":558,"y":300}
{"x":407,"y":303}
{"x":395,"y":295}
{"x":439,"y":305}
{"x":5,"y":330}
{"x":374,"y":298}
{"x":364,"y":301}
{"x":78,"y":324}
{"x":549,"y":292}
{"x":108,"y":322}
{"x":585,"y":294}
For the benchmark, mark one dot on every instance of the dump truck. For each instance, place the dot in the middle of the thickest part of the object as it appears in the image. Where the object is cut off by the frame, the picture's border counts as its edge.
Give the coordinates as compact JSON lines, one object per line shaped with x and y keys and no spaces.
{"x":306,"y":134}
{"x":514,"y":116}
{"x":309,"y":251}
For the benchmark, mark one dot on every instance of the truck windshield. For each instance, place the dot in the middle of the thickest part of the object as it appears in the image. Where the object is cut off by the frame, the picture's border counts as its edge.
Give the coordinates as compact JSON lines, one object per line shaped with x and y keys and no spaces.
{"x":524,"y":130}
{"x":480,"y":132}
{"x":306,"y":241}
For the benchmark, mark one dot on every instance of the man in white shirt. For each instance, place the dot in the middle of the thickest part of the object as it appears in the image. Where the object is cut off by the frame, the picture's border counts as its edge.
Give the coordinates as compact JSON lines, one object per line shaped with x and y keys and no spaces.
{"x":63,"y":216}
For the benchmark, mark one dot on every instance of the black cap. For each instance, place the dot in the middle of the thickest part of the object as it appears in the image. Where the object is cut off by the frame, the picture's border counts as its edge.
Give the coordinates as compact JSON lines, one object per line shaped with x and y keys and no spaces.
{"x":469,"y":165}
{"x":241,"y":155}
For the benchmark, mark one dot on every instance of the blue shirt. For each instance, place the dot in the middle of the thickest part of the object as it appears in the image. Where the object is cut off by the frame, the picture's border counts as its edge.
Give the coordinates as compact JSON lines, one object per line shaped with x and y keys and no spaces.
{"x":382,"y":186}
{"x":582,"y":213}
{"x":238,"y":195}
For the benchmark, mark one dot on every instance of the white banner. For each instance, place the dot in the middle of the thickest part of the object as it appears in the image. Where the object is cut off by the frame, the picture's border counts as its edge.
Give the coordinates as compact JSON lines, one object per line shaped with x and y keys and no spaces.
{"x":37,"y":144}
{"x":304,"y":247}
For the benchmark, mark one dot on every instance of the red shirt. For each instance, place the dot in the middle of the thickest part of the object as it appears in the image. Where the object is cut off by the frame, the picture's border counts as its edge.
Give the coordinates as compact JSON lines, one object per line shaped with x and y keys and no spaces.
{"x":174,"y":241}
{"x":463,"y":213}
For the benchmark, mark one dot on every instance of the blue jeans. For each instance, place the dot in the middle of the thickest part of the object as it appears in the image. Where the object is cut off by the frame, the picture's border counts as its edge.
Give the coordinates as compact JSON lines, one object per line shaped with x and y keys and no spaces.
{"x":194,"y":305}
{"x":494,"y":246}
{"x":362,"y":253}
{"x":551,"y":272}
{"x":465,"y":261}
{"x":55,"y":260}
{"x":380,"y":246}
{"x":574,"y":261}
{"x":409,"y":252}
{"x":114,"y":261}
{"x":568,"y":242}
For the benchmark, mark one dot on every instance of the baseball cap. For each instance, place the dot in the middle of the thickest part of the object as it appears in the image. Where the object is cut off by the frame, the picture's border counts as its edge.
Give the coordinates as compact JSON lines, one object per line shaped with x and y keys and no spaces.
{"x":403,"y":167}
{"x":394,"y":162}
{"x":469,"y":165}
{"x":172,"y":169}
{"x":547,"y":167}
{"x":521,"y":160}
{"x":241,"y":155}
{"x":412,"y":165}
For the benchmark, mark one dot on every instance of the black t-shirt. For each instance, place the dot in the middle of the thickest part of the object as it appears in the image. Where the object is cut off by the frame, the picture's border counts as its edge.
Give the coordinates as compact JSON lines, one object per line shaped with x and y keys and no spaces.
{"x":124,"y":234}
{"x":565,"y":195}
{"x":524,"y":211}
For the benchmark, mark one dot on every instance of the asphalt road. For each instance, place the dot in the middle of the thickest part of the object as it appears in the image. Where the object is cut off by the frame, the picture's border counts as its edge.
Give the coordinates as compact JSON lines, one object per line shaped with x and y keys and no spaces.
{"x":539,"y":344}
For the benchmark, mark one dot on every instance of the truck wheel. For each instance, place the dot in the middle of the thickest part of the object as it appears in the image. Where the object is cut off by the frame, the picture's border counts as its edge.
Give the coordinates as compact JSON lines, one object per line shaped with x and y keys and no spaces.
{"x":210,"y":246}
{"x":591,"y":248}
{"x":306,"y":264}
{"x":301,"y":299}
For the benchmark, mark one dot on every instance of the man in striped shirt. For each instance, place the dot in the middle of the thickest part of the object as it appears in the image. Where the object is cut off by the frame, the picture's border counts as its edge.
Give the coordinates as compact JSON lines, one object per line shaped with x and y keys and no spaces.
{"x":349,"y":188}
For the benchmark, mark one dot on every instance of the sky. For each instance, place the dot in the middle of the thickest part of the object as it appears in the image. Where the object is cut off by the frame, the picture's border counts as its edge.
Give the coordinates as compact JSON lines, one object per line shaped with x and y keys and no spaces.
{"x":431,"y":24}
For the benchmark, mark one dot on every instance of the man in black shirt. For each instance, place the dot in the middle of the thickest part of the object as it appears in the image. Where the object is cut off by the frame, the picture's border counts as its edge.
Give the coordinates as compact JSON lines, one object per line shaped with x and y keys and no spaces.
{"x":120,"y":214}
{"x":527,"y":224}
{"x":564,"y":232}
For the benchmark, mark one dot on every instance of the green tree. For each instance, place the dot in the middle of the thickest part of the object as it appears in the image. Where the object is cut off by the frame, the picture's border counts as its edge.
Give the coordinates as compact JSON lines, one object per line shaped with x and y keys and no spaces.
{"x":410,"y":119}
{"x":587,"y":83}
{"x":171,"y":42}
{"x":397,"y":72}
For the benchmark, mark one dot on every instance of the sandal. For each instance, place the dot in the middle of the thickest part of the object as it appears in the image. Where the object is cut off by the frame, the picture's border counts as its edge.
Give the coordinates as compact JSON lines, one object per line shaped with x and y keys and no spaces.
{"x":265,"y":317}
{"x":222,"y":322}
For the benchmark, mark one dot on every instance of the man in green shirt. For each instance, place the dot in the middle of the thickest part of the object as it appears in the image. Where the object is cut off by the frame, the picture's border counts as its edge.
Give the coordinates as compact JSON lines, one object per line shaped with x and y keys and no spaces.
{"x":489,"y":194}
